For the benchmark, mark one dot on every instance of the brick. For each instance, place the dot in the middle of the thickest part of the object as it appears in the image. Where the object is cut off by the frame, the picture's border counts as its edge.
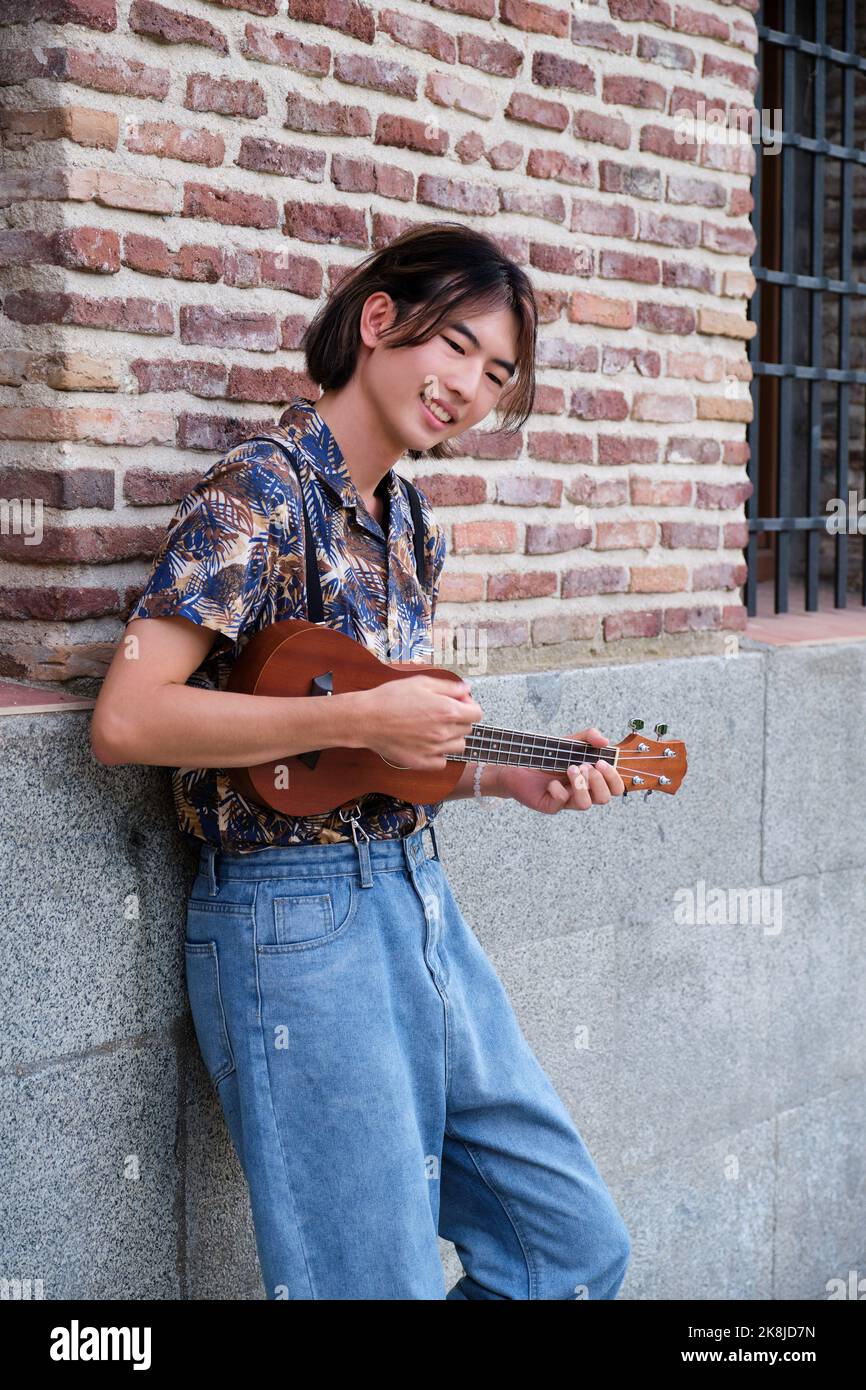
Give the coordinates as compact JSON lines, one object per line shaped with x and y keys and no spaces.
{"x":556,"y":164}
{"x":406,"y":134}
{"x":626,"y":89}
{"x":602,"y":219}
{"x":132,"y":315}
{"x":167,"y":140}
{"x":171,"y":26}
{"x":95,"y":545}
{"x":652,"y":49}
{"x":598,"y":405}
{"x":662,"y":409}
{"x":326,"y":117}
{"x":553,"y":70}
{"x":550,"y":115}
{"x":699,"y":618}
{"x":666,"y":318}
{"x":274,"y":385}
{"x":631,"y":624}
{"x":379,"y":74}
{"x":625,"y":535}
{"x":535,"y":18}
{"x":196,"y":377}
{"x":719,"y":576}
{"x":80,"y":124}
{"x":615,"y":449}
{"x":94,"y":14}
{"x":144,"y":487}
{"x":228,"y":206}
{"x":644,"y":362}
{"x":61,"y":487}
{"x":217,"y":433}
{"x":348,"y":16}
{"x":516,"y":585}
{"x":630,"y":179}
{"x":560,"y":260}
{"x":55,"y":602}
{"x":87,"y":248}
{"x":625,"y":265}
{"x":529,"y":491}
{"x":563,"y":627}
{"x":77,"y":371}
{"x":735,"y":536}
{"x":646,"y":492}
{"x":692,"y":449}
{"x":588,"y":491}
{"x":325,"y":223}
{"x":264,"y":46}
{"x":593,"y":33}
{"x":658,"y":579}
{"x":106,"y":72}
{"x":456,"y":195}
{"x":601,"y":128}
{"x":656,"y":139}
{"x":599,"y":579}
{"x":549,"y":205}
{"x":723,"y":495}
{"x":224,"y":95}
{"x":548,"y":538}
{"x":560,"y":446}
{"x":484,"y":537}
{"x":497,"y":57}
{"x":735,"y":616}
{"x":445,"y":89}
{"x":289,"y":161}
{"x":253,"y":329}
{"x":690,"y":535}
{"x":98,"y":425}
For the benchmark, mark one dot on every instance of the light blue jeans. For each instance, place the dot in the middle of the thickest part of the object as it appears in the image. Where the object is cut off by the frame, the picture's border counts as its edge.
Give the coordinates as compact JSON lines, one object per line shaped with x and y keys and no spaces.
{"x":378,"y":1089}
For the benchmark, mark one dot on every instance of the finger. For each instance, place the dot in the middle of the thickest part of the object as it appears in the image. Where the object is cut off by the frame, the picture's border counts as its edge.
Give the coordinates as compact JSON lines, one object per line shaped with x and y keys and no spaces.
{"x":592,"y":736}
{"x":580,"y":798}
{"x":598,"y":787}
{"x":612,"y":777}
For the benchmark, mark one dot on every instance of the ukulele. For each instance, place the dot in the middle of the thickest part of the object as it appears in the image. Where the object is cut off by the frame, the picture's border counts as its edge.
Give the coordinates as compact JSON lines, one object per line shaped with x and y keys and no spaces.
{"x":296,"y":658}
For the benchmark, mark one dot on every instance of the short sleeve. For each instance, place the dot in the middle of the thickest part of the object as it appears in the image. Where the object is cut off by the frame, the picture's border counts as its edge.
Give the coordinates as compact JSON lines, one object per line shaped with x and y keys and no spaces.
{"x":215,"y":562}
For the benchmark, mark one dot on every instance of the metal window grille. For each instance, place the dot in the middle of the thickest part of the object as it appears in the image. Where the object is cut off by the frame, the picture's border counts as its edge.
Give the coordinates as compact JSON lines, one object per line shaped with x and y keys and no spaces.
{"x":807,"y":435}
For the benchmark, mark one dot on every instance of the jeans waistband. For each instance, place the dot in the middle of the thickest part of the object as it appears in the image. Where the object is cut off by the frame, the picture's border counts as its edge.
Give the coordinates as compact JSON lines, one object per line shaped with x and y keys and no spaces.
{"x":410,"y":850}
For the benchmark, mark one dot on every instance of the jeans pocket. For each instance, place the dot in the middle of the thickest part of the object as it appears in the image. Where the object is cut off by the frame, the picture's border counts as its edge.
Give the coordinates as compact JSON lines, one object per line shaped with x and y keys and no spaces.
{"x":206,"y":1006}
{"x":303,"y":921}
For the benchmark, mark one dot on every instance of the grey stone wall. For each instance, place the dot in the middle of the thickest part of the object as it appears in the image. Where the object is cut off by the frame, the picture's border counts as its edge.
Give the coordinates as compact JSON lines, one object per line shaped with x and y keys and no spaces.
{"x":716,"y":1071}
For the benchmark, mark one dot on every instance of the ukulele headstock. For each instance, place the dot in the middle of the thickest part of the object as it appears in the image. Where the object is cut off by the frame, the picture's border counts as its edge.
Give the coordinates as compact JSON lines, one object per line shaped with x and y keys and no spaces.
{"x":650,"y":765}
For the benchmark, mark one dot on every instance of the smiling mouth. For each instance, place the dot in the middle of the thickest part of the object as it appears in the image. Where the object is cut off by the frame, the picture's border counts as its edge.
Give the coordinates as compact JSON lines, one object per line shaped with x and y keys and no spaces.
{"x":442,"y":424}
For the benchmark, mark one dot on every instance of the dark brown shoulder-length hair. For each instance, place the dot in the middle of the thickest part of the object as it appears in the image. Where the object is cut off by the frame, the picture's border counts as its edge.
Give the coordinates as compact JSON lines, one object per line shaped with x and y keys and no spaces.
{"x":434,"y":272}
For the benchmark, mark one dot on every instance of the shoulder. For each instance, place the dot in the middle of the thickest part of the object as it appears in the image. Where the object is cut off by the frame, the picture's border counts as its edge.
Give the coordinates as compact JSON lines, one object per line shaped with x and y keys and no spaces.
{"x":258,"y":474}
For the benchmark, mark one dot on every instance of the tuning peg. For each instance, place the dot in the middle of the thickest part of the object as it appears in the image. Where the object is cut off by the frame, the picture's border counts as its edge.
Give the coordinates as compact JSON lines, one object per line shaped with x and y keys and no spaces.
{"x":647,"y":795}
{"x":635,"y":725}
{"x":661,"y":730}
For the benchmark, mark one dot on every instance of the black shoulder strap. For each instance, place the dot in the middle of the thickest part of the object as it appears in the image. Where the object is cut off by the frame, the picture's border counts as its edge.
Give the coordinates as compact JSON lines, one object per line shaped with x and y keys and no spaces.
{"x":417,"y":530}
{"x":315,"y":606}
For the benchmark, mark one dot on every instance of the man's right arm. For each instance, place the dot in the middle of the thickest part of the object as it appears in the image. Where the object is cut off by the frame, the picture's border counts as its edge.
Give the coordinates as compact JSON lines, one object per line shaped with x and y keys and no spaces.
{"x":146,"y":713}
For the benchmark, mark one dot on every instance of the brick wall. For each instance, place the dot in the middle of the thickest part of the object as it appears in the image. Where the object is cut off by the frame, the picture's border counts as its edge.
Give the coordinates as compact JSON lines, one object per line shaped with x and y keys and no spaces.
{"x":183,"y":182}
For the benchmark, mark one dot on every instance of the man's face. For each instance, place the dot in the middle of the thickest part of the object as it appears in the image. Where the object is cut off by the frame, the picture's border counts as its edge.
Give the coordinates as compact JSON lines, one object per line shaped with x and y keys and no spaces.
{"x":467,"y":366}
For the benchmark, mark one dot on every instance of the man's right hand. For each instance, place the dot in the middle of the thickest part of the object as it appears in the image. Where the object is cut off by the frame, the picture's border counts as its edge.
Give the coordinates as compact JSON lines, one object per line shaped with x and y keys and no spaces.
{"x":415,"y":720}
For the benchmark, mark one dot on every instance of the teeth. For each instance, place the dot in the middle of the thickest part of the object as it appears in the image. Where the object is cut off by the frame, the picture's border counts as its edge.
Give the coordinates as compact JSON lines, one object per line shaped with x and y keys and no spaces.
{"x":437,"y":411}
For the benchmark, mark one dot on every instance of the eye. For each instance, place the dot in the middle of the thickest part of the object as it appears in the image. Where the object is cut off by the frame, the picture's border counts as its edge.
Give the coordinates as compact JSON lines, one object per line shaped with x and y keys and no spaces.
{"x":458,"y":348}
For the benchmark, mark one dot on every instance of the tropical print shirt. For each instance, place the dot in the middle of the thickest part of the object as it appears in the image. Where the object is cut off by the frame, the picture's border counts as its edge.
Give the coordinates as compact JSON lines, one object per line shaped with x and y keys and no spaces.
{"x":232,"y":559}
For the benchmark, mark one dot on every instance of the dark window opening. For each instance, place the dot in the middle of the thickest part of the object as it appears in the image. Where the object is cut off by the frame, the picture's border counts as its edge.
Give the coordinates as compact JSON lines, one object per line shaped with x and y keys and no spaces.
{"x":807,"y":437}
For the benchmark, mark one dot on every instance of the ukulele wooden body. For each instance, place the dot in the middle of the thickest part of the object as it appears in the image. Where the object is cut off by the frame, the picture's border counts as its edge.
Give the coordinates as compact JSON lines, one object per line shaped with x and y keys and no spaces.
{"x":297,"y":658}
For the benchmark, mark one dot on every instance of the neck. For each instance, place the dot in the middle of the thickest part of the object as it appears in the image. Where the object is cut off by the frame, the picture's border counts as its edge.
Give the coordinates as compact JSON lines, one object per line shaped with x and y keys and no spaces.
{"x":487,"y":744}
{"x":367,"y":448}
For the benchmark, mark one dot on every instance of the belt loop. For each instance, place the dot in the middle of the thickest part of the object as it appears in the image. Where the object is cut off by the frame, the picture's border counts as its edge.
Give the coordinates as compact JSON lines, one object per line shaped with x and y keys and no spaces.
{"x":362,"y":844}
{"x":211,"y":853}
{"x":431,"y":827}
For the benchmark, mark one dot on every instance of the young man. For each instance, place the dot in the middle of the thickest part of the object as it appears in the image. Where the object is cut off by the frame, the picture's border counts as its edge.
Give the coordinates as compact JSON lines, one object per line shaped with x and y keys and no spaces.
{"x":376,"y":1084}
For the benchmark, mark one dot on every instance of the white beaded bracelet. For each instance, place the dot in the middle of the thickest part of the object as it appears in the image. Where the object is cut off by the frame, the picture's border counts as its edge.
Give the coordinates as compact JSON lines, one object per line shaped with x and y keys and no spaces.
{"x":479,"y":768}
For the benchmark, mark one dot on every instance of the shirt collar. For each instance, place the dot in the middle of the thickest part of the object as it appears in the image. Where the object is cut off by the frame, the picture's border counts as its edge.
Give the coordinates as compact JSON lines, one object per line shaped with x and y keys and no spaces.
{"x":303,"y":424}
